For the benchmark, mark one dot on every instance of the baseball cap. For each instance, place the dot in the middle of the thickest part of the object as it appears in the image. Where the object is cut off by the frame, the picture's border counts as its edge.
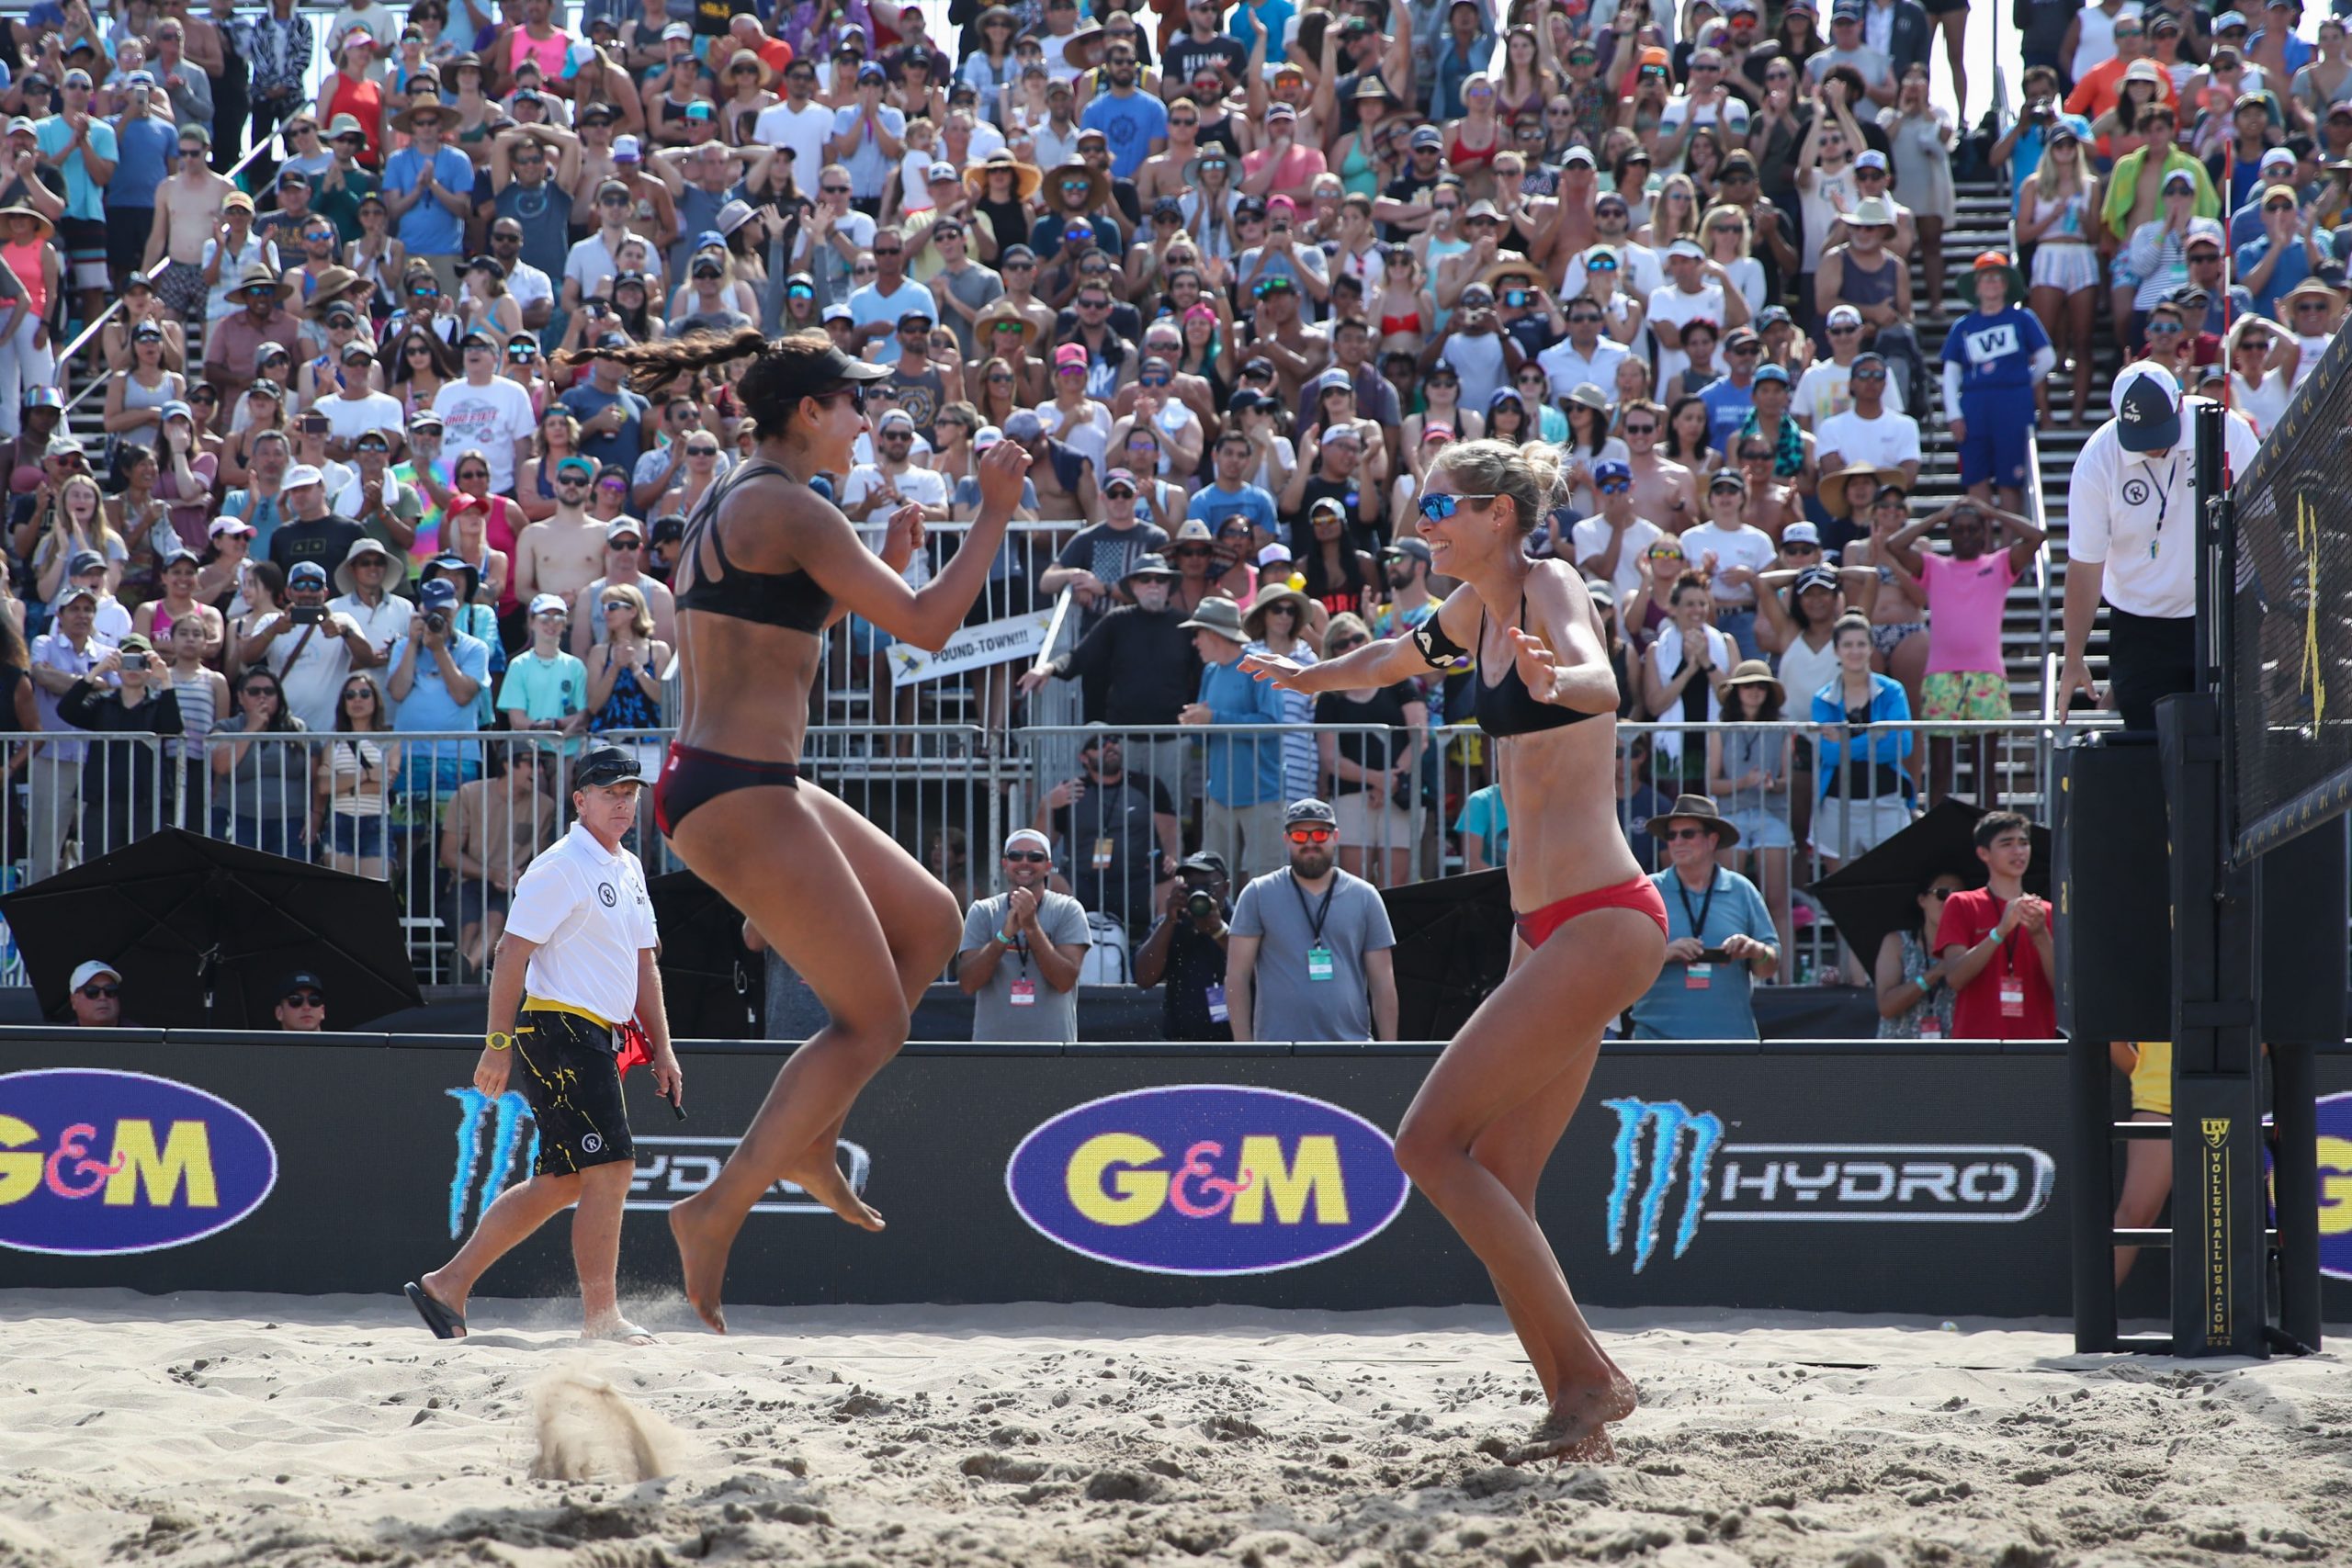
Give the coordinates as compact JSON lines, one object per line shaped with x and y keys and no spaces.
{"x":1800,"y":534}
{"x":2207,"y":231}
{"x":1409,"y":546}
{"x":626,"y":150}
{"x":1772,"y":373}
{"x":89,"y":970}
{"x":82,"y":563}
{"x":301,"y":474}
{"x":438,"y":594}
{"x":1310,"y":811}
{"x":222,"y":527}
{"x":604,"y":764}
{"x":897,"y":419}
{"x":300,"y":980}
{"x":1815,"y":576}
{"x":1024,"y":426}
{"x":2146,"y":400}
{"x":1274,"y":555}
{"x":1610,"y":471}
{"x":549,"y":603}
{"x":1027,"y":838}
{"x":1205,"y":860}
{"x":1426,"y":136}
{"x":307,"y":574}
{"x":1871,"y":158}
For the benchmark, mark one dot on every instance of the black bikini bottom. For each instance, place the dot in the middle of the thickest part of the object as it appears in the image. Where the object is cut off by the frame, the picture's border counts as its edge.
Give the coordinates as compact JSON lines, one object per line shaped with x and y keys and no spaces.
{"x":690,"y":776}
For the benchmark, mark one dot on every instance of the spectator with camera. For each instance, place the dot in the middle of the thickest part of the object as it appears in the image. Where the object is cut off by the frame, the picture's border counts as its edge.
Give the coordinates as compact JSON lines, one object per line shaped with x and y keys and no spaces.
{"x":126,"y":692}
{"x":1720,"y":938}
{"x":308,"y":646}
{"x":1310,"y":956}
{"x":1022,"y":950}
{"x":1185,"y":952}
{"x":437,"y":674}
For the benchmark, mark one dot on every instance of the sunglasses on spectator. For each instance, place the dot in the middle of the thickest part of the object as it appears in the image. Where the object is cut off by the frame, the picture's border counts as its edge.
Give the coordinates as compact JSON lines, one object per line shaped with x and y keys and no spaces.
{"x":1844,"y":329}
{"x":1615,"y":487}
{"x":95,"y":990}
{"x":1676,"y":835}
{"x":1791,"y":548}
{"x":1027,"y":857}
{"x":1313,"y":835}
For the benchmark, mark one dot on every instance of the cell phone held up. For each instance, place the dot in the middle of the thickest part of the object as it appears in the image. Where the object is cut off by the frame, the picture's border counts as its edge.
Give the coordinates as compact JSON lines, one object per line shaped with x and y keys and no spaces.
{"x":307,"y":615}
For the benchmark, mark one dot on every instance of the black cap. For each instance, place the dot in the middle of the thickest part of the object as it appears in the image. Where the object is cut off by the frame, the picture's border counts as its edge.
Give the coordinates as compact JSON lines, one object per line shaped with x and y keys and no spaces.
{"x":300,"y":980}
{"x":607,"y":765}
{"x":1310,"y":811}
{"x":1205,"y":860}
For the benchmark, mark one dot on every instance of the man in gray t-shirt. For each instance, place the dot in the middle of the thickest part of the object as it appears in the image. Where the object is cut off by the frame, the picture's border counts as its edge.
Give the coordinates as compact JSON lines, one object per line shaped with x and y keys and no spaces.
{"x":1309,"y":953}
{"x":1022,"y":950}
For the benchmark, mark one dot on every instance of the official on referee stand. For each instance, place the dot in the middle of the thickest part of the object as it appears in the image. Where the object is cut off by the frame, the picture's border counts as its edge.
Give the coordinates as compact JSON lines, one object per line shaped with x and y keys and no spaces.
{"x":2131,"y":542}
{"x":574,"y":976}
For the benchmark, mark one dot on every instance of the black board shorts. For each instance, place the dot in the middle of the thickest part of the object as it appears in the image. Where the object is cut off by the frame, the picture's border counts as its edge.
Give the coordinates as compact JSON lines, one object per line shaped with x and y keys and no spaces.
{"x":574,"y":1091}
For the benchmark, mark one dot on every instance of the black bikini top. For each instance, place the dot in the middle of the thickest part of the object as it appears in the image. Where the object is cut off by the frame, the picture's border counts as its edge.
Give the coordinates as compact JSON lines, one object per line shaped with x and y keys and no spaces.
{"x":1506,"y":707}
{"x":790,"y":599}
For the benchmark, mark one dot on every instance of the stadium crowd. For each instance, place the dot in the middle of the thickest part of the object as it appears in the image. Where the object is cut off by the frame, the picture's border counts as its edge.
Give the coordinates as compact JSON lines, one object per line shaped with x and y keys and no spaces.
{"x":1231,"y":273}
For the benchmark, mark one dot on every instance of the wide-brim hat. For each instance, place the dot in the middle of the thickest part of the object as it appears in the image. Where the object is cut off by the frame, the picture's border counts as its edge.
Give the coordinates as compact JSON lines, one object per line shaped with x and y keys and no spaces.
{"x":1149,"y":564}
{"x":1513,"y":266}
{"x":1587,"y":394}
{"x":1254,"y":622}
{"x":1026,"y":178}
{"x":1832,"y":488}
{"x":1193,"y":165}
{"x":984,"y":324}
{"x":1218,"y":614}
{"x":1695,"y":808}
{"x":1756,"y":672}
{"x":23,"y":209}
{"x":395,"y":566}
{"x":259,"y":274}
{"x":327,"y":289}
{"x":405,"y":121}
{"x":1097,"y":185}
{"x":767,"y":72}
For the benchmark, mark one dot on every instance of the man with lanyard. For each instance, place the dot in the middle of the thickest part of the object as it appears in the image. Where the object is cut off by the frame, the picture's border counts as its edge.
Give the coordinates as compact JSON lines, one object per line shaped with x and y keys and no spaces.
{"x":581,"y":931}
{"x":2130,"y":518}
{"x":1311,"y":953}
{"x":1022,"y":950}
{"x":1720,"y":934}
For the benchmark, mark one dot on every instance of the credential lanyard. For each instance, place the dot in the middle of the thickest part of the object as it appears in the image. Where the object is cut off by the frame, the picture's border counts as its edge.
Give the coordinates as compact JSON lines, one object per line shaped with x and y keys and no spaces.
{"x":1698,"y":920}
{"x":1320,"y":913}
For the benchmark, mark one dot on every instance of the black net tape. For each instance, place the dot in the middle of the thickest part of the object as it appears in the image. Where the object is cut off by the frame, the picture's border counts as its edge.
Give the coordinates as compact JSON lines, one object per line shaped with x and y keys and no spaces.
{"x":2290,"y":667}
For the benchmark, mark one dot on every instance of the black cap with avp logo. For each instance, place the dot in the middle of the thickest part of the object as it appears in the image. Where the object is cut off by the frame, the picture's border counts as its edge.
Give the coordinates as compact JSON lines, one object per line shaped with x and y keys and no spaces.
{"x":603,"y":765}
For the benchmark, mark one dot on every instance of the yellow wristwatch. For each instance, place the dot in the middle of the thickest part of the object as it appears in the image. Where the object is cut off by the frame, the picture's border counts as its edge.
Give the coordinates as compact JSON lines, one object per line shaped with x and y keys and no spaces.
{"x":496,"y":1040}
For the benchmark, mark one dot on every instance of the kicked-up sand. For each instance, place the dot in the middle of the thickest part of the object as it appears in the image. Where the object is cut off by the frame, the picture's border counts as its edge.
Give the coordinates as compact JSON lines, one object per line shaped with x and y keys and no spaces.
{"x":217,"y":1429}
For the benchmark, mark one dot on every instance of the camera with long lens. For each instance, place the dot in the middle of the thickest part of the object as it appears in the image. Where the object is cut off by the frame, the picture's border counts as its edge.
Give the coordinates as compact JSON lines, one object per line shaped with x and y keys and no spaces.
{"x":439,"y":621}
{"x":1200,"y":905}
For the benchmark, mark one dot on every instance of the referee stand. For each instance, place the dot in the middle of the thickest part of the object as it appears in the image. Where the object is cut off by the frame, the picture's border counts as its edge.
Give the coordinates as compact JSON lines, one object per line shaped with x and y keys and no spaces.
{"x":2256,"y":952}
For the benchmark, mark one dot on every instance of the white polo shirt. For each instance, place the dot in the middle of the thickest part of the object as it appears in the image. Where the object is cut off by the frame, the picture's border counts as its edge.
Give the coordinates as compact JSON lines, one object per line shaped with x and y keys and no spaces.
{"x":589,"y":914}
{"x":2138,"y":517}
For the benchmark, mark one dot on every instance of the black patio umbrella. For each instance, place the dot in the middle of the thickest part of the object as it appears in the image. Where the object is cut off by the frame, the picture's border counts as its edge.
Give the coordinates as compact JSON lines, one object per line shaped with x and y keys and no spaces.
{"x":1877,"y":892}
{"x":714,"y":988}
{"x":1453,"y":948}
{"x":204,"y":933}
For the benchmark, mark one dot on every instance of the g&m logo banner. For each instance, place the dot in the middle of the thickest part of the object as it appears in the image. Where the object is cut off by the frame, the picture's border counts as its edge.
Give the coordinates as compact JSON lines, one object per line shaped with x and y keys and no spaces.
{"x":93,"y":1162}
{"x":1208,"y":1178}
{"x":1672,"y":1167}
{"x":2335,"y":1185}
{"x":498,"y":1141}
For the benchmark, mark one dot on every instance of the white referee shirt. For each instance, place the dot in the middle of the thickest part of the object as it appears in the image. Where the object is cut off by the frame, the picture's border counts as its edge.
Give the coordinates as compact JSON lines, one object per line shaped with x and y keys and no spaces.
{"x":2138,"y":516}
{"x":589,"y":914}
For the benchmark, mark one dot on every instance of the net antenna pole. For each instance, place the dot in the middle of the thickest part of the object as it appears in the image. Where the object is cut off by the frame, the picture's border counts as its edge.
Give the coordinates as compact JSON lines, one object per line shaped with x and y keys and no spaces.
{"x":2219,"y":1252}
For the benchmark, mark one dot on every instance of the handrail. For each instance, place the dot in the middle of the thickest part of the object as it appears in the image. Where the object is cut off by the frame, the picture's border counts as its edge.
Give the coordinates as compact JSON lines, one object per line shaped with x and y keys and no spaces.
{"x":97,"y":324}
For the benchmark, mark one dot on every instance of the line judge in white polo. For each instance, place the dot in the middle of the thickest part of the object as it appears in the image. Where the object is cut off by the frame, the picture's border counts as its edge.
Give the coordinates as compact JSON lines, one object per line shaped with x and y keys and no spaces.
{"x":2131,"y":542}
{"x":575,"y":969}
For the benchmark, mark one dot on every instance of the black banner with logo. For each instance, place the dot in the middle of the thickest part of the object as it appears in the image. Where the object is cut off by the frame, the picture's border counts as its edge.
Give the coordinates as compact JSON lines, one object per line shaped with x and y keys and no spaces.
{"x":1839,"y":1179}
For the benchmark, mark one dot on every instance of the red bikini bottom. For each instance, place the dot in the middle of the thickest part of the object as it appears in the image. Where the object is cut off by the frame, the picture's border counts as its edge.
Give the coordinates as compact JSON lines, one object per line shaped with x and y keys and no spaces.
{"x":1638,"y":894}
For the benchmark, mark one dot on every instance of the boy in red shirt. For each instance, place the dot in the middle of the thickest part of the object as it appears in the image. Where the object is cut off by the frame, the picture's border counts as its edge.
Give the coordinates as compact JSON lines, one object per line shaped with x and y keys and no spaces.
{"x":1996,"y":942}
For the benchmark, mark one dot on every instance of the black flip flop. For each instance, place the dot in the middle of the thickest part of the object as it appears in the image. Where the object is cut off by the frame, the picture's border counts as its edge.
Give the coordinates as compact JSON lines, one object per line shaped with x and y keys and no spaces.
{"x":444,"y":1324}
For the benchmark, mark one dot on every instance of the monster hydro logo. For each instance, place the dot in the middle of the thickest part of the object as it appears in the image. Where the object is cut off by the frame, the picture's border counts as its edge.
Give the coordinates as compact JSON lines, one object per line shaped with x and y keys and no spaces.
{"x":1672,"y":1168}
{"x":95,"y":1162}
{"x":498,"y":1143}
{"x":1206,"y":1179}
{"x":2335,"y":1185}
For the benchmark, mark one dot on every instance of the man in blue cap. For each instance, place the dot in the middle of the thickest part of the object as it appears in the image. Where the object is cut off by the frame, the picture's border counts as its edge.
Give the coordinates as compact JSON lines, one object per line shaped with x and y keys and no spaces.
{"x":2130,"y":541}
{"x":435,"y":676}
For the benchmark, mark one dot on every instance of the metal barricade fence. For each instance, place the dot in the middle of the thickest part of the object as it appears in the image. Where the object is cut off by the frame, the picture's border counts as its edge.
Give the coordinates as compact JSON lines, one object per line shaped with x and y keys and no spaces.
{"x":870,"y":679}
{"x":1798,"y":820}
{"x":449,"y":818}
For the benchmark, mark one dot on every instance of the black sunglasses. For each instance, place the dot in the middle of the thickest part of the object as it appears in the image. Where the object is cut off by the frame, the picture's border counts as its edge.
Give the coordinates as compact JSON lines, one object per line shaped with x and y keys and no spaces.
{"x":94,"y":990}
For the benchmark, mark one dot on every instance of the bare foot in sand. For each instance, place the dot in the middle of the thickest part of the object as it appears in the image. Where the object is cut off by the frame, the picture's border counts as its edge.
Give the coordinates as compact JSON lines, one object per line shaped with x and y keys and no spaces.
{"x":1576,"y":1429}
{"x":822,"y":1179}
{"x":702,"y":1241}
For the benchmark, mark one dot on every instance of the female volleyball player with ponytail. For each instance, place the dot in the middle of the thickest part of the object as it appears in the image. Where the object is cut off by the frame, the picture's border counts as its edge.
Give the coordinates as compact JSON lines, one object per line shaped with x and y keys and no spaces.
{"x":1591,"y":926}
{"x":766,"y":566}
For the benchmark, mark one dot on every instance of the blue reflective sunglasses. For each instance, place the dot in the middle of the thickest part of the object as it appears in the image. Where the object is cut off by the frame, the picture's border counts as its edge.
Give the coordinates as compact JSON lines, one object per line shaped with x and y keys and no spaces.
{"x":1438,"y":508}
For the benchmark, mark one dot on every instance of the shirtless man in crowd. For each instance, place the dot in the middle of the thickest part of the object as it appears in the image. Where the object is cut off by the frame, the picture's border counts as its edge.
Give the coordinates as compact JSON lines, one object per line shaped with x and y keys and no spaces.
{"x":1665,"y":491}
{"x":565,"y":553}
{"x":187,"y":212}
